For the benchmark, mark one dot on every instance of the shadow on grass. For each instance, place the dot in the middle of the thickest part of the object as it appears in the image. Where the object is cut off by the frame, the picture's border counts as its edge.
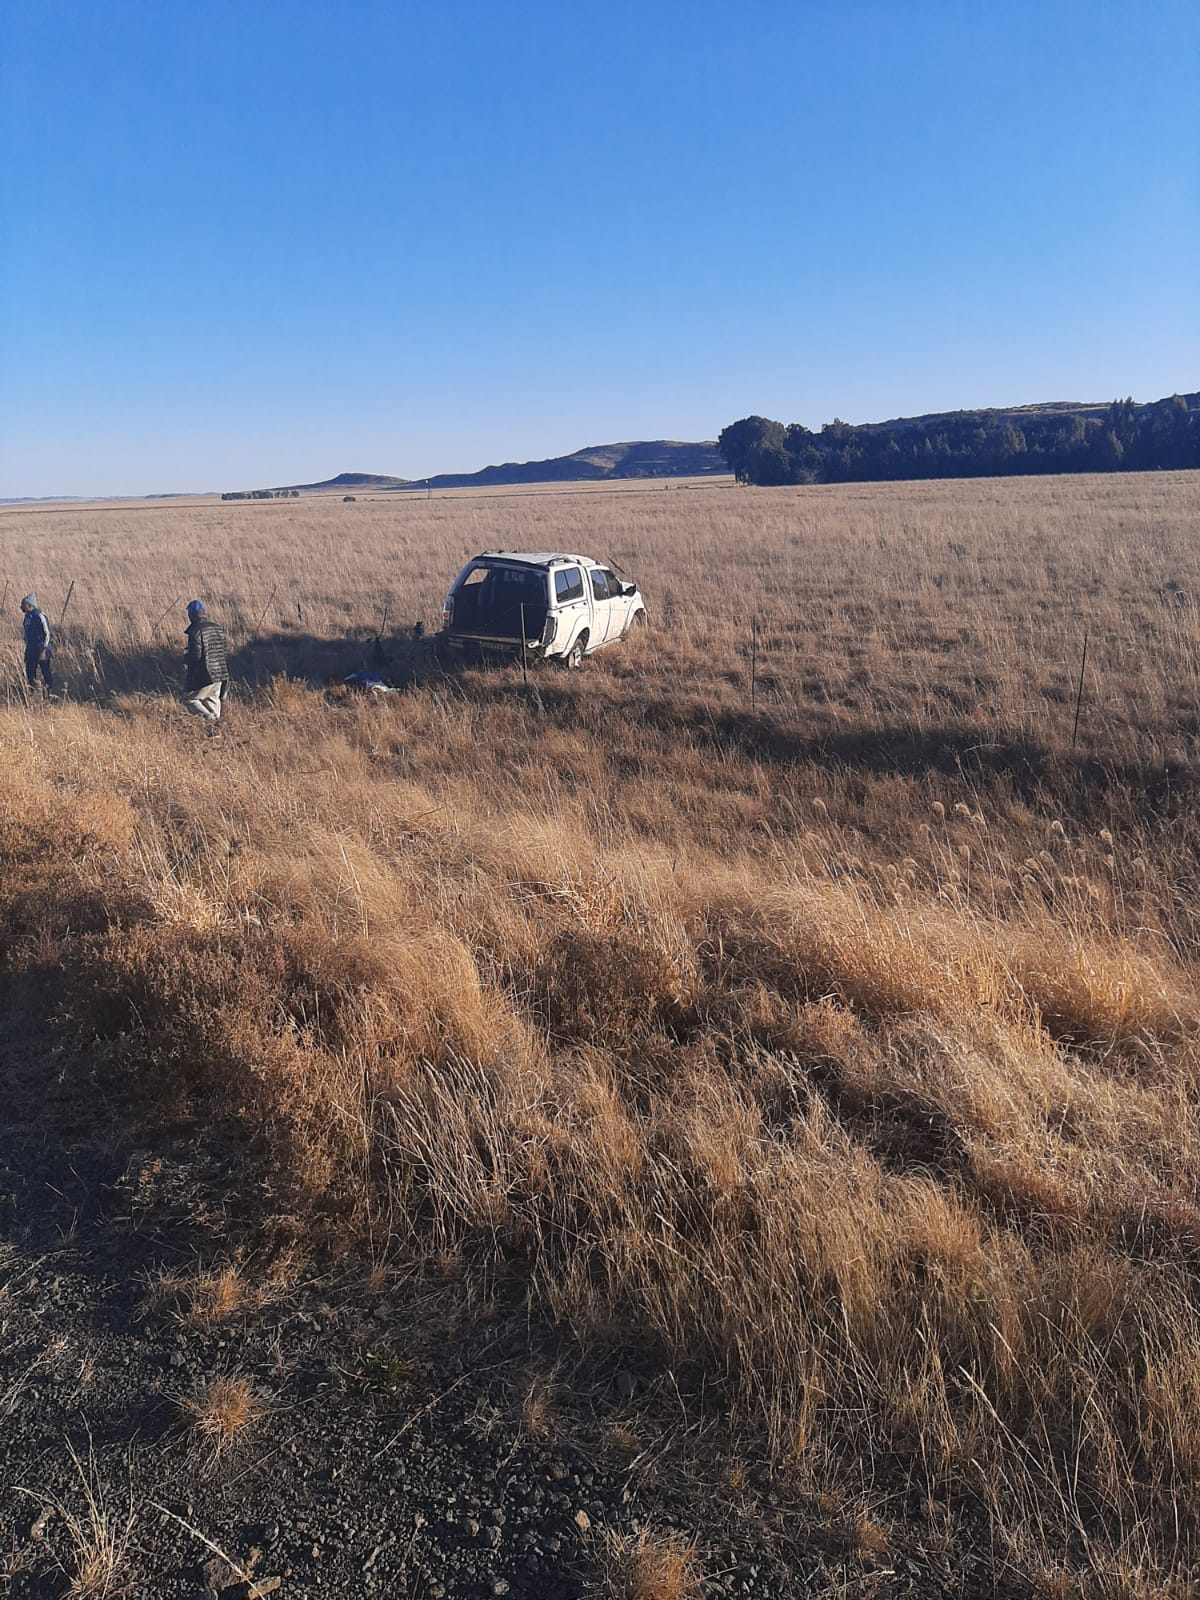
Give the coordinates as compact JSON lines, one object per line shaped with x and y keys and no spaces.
{"x":95,"y":671}
{"x":1053,"y":777}
{"x":1056,"y":778}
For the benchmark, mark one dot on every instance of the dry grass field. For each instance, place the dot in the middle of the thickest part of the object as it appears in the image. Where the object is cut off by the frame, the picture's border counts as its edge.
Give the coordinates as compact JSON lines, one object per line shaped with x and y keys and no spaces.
{"x":847,"y":1044}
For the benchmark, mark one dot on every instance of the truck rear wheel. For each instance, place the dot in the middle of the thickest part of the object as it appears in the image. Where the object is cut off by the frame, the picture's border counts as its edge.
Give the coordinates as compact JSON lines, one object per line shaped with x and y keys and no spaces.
{"x":574,"y":656}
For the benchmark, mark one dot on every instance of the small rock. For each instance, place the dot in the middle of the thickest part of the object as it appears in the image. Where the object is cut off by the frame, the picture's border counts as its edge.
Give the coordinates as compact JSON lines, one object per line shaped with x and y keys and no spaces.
{"x":500,"y":1586}
{"x":582,"y":1521}
{"x":38,"y":1527}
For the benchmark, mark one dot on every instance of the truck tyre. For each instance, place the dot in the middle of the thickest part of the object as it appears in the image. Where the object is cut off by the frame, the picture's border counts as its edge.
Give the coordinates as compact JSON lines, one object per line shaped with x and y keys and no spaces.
{"x":574,"y":656}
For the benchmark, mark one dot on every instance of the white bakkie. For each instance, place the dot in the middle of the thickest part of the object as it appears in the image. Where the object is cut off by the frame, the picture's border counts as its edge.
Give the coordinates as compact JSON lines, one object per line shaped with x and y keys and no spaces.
{"x":566,"y":607}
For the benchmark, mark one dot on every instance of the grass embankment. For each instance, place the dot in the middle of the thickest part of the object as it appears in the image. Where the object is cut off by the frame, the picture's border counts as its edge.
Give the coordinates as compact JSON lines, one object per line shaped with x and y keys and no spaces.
{"x":874,"y":1092}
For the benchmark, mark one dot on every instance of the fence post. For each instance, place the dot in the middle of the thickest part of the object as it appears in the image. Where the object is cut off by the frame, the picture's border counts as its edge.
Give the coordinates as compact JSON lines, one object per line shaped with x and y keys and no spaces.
{"x":263,"y":613}
{"x":1079,"y":695}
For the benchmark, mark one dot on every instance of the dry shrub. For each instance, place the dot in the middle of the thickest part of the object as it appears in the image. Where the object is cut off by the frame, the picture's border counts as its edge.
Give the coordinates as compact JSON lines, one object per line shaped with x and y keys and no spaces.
{"x":538,"y":1405}
{"x":651,"y":1566}
{"x":1105,"y":995}
{"x":207,"y":1296}
{"x":63,"y":863}
{"x":605,"y":988}
{"x":292,"y":1030}
{"x":199,"y":1299}
{"x":98,"y":1536}
{"x":220,"y":1410}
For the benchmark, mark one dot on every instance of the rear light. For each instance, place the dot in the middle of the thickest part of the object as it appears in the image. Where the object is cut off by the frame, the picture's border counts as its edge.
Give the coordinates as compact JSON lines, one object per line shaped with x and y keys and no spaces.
{"x":549,"y":630}
{"x":447,"y":612}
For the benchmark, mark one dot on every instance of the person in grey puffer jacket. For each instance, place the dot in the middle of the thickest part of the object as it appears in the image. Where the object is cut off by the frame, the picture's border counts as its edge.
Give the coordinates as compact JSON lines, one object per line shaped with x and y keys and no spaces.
{"x":205,"y":665}
{"x":37,"y":643}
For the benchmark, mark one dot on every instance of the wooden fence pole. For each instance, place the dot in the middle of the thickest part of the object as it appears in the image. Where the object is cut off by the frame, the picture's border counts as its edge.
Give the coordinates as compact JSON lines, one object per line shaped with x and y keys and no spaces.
{"x":1079,"y":695}
{"x":753,"y":662}
{"x":263,"y":613}
{"x":159,"y":620}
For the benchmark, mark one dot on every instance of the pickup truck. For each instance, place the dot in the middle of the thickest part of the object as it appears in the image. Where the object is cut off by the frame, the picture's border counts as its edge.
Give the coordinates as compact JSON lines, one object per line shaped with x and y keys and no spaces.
{"x":570,"y":606}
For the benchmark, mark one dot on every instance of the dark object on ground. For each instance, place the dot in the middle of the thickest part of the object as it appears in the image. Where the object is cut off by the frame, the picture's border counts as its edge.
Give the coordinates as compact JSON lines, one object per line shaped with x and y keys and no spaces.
{"x":368,"y":681}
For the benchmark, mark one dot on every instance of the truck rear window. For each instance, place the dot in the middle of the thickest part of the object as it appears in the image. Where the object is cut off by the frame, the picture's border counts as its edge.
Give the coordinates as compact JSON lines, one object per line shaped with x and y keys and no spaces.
{"x":568,"y":585}
{"x":491,"y":600}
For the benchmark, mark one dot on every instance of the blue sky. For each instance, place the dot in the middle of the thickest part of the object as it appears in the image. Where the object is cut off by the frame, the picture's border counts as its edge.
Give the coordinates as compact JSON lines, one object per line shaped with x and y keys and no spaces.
{"x":262,"y":242}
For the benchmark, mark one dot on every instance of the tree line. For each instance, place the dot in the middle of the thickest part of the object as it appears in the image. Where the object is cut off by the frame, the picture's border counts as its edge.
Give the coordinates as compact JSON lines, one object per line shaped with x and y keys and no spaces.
{"x":262,"y":494}
{"x":1123,"y":437}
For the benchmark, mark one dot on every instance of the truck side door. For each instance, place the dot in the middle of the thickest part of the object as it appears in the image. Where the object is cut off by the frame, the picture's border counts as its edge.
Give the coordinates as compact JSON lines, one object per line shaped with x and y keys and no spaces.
{"x":573,"y":604}
{"x":606,"y":625}
{"x":619,"y":605}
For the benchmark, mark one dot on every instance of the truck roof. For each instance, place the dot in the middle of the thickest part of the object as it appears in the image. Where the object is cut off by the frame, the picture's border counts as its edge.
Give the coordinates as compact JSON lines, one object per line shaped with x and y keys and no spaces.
{"x":535,"y":558}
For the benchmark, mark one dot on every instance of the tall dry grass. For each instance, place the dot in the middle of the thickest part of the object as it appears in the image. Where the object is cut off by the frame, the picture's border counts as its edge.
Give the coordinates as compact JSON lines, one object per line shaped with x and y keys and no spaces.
{"x":885,"y":609}
{"x":847,"y":1047}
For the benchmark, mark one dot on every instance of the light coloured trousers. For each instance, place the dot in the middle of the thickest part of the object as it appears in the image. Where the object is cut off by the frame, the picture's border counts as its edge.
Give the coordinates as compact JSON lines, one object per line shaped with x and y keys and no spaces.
{"x":205,"y":702}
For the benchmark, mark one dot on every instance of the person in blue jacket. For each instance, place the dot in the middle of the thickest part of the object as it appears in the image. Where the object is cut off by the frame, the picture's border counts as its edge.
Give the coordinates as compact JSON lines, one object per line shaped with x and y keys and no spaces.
{"x":38,"y":649}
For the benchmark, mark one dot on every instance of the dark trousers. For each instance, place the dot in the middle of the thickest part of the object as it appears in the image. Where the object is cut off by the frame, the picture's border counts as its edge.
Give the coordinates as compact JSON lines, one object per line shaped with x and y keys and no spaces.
{"x":33,"y":666}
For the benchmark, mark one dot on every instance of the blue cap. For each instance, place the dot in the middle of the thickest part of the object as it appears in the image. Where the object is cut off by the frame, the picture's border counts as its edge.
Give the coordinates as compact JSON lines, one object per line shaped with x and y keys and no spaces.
{"x":196,"y":609}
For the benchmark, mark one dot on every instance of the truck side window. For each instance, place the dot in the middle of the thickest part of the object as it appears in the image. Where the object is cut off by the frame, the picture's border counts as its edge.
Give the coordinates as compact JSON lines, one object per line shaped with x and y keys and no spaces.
{"x":600,"y":585}
{"x":568,"y":585}
{"x":615,"y":589}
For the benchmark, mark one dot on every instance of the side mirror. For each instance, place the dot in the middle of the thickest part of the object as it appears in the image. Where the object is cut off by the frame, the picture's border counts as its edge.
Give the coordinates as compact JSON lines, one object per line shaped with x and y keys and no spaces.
{"x":629,"y":590}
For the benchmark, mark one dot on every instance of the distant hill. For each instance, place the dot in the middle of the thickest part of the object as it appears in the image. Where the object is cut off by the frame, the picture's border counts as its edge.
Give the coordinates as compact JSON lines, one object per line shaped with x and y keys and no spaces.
{"x":344,"y":480}
{"x":356,"y":480}
{"x":656,"y":458}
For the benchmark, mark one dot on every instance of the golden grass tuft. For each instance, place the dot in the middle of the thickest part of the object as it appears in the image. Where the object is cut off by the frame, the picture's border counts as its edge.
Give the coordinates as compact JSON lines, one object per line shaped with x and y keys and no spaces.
{"x":98,"y":1536}
{"x":652,"y":1566}
{"x":539,"y":1406}
{"x":220,"y":1410}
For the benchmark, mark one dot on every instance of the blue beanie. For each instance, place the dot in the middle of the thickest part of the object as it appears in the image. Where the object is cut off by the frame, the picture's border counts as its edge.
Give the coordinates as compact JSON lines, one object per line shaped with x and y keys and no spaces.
{"x":196,"y":609}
